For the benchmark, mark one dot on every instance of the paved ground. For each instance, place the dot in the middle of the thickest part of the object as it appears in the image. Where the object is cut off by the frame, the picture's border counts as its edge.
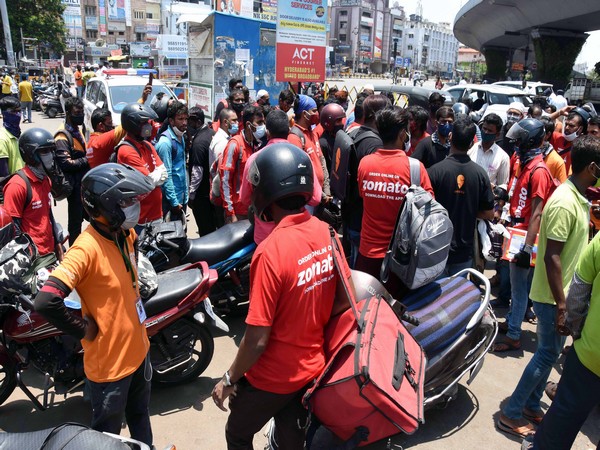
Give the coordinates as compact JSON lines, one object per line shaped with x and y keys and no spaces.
{"x":187,"y":417}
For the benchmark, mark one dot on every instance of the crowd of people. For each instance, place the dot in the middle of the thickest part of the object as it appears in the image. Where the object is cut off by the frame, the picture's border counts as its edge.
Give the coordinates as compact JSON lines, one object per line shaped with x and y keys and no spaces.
{"x":273,"y":164}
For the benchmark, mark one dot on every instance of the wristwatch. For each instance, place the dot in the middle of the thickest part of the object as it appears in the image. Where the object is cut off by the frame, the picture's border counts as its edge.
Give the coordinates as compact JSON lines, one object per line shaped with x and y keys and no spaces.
{"x":227,"y":380}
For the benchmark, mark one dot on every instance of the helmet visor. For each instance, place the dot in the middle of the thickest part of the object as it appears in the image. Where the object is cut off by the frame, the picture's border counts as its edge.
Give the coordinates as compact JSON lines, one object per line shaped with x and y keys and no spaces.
{"x":517,"y":133}
{"x":130,"y":201}
{"x":254,"y":174}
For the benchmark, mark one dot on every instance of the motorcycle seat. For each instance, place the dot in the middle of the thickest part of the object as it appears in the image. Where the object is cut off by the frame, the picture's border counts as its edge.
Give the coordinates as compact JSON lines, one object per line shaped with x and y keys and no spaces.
{"x":172,"y":288}
{"x":220,"y":244}
{"x":444,"y":308}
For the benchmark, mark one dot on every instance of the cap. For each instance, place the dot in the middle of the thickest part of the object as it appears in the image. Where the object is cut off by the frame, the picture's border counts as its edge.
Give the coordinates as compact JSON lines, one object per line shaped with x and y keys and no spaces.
{"x":261,"y":93}
{"x":518,"y":106}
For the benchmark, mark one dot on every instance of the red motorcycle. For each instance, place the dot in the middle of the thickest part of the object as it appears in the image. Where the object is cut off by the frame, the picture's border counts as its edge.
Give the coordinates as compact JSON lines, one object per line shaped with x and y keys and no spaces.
{"x":181,"y":344}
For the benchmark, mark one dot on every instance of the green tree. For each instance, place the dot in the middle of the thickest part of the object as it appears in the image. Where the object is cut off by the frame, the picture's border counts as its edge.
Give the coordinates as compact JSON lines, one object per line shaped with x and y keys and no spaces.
{"x":597,"y":69}
{"x":40,"y":19}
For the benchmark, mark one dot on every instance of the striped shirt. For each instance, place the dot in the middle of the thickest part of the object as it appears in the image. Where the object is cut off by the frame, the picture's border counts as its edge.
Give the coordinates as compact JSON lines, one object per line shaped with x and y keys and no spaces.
{"x":494,"y":161}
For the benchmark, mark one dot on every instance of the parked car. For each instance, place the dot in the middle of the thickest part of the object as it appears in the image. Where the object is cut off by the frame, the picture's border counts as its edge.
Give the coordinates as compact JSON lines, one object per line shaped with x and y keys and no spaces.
{"x":116,"y":92}
{"x":412,"y":95}
{"x":538,"y":86}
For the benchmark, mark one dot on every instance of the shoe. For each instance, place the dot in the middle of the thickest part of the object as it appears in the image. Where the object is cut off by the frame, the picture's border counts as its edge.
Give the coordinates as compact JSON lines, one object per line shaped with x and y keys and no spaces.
{"x":535,"y":417}
{"x":527,"y":443}
{"x":506,"y":345}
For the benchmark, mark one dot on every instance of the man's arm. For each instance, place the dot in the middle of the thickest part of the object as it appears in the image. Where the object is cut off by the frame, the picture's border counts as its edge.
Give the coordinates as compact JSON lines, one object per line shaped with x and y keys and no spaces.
{"x":555,"y":276}
{"x":227,"y":175}
{"x":537,"y":205}
{"x":3,"y":167}
{"x":163,"y":148}
{"x":63,"y":157}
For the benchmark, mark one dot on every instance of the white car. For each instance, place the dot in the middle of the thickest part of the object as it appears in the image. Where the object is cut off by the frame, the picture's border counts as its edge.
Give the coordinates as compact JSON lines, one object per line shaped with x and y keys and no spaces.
{"x":538,"y":86}
{"x":494,"y":98}
{"x":116,"y":92}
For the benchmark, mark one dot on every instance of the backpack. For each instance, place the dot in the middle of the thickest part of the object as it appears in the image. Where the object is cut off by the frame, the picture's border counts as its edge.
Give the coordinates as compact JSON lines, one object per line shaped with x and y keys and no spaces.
{"x":24,"y":177}
{"x":174,"y":143}
{"x":555,"y":181}
{"x":343,"y":147}
{"x":420,"y":244}
{"x":298,"y":132}
{"x":115,"y":154}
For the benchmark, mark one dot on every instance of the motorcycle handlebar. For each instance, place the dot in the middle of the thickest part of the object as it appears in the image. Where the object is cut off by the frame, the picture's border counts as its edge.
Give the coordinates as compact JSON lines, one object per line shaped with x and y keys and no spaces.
{"x":26,"y":300}
{"x":411,"y":319}
{"x":170,"y":243}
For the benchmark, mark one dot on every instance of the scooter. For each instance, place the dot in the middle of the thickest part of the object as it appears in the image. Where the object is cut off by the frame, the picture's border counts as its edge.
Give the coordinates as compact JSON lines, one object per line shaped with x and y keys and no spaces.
{"x":473,"y":334}
{"x":178,"y":316}
{"x":227,"y":250}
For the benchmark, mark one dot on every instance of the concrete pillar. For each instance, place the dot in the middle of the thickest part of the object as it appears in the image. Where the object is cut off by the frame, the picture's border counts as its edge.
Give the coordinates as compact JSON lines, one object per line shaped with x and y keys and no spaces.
{"x":555,"y":55}
{"x":495,"y":60}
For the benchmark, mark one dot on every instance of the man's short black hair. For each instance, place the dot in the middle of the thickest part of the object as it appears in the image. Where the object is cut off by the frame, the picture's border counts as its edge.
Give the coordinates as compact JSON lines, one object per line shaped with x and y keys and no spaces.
{"x":549,"y":124}
{"x":235,"y":92}
{"x":595,"y":120}
{"x":9,"y":102}
{"x":586,"y":150}
{"x":225,"y":113}
{"x":390,"y":122}
{"x":233,"y":82}
{"x":463,"y":133}
{"x":359,"y":112}
{"x":250,"y":112}
{"x":436,"y":97}
{"x":419,"y":115}
{"x":287,"y":96}
{"x":374,"y":103}
{"x":582,"y":121}
{"x":73,"y":102}
{"x":195,"y":112}
{"x":176,"y":108}
{"x":495,"y":120}
{"x":99,"y":116}
{"x":278,"y":124}
{"x":444,"y":112}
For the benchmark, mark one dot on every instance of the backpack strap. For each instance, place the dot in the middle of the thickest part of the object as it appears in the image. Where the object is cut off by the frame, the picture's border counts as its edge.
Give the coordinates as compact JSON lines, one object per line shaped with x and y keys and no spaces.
{"x":67,"y":134}
{"x":25,"y":179}
{"x":415,"y":171}
{"x":362,"y":136}
{"x":173,"y":142}
{"x":298,"y":132}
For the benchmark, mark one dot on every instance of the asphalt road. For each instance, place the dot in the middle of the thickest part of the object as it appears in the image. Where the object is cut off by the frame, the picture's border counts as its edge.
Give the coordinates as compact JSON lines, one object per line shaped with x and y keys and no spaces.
{"x":186,"y":416}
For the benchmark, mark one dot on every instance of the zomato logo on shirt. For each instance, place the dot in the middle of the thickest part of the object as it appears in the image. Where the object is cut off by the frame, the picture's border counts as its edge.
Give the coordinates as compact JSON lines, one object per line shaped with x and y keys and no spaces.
{"x":317,"y":268}
{"x":386,"y":186}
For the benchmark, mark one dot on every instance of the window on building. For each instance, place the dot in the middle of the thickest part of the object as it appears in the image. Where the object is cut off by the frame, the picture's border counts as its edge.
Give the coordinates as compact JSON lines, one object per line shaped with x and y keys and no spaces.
{"x":343,"y":25}
{"x":343,"y":13}
{"x":91,"y":34}
{"x":366,"y":14}
{"x":121,"y":33}
{"x":90,"y":10}
{"x":410,"y":47}
{"x":140,"y":37}
{"x":343,"y":37}
{"x":411,"y":35}
{"x":111,"y":33}
{"x":426,"y":38}
{"x":149,"y":15}
{"x":139,"y":14}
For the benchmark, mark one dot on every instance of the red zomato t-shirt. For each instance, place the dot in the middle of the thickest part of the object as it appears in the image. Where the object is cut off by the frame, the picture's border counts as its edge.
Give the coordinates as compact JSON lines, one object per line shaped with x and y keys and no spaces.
{"x":525,"y":191}
{"x":312,"y":149}
{"x":145,"y":159}
{"x":383,"y":180}
{"x":292,"y":288}
{"x":35,"y":217}
{"x":563,"y":147}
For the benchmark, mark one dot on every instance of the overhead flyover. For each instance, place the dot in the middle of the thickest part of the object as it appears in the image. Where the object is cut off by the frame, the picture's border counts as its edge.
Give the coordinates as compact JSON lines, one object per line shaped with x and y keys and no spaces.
{"x":547,"y":32}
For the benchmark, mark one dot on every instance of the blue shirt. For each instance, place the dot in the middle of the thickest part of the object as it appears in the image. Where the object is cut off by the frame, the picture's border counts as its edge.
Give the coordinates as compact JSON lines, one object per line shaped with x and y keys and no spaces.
{"x":175,"y":189}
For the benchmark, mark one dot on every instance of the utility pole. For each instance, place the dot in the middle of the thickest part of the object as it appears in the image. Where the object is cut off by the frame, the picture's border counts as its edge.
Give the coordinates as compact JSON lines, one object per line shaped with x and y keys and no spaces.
{"x":10,"y":55}
{"x":22,"y":44}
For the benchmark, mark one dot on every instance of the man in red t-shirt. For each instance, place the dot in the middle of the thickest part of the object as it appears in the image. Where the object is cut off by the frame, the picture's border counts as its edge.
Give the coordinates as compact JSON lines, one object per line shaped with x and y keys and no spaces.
{"x":140,"y":154}
{"x":34,"y":215}
{"x":383,"y":180}
{"x":293,"y":276}
{"x":529,"y":191}
{"x":575,"y":125}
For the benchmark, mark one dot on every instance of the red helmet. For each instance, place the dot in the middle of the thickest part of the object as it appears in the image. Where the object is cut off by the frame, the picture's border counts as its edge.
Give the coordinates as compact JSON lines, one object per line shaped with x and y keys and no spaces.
{"x":7,"y":228}
{"x":330,"y":114}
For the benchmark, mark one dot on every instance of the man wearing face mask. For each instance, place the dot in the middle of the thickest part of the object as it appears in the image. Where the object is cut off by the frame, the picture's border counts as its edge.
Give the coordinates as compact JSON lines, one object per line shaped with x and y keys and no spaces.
{"x":488,"y":154}
{"x":514,"y":113}
{"x":33,"y":215}
{"x":575,"y":125}
{"x":10,"y":159}
{"x":332,"y":120}
{"x":71,"y":158}
{"x":135,"y":151}
{"x":436,"y":147}
{"x":102,"y":266}
{"x":417,"y":127}
{"x":236,"y":153}
{"x":436,"y":101}
{"x":171,"y":150}
{"x":262,"y":98}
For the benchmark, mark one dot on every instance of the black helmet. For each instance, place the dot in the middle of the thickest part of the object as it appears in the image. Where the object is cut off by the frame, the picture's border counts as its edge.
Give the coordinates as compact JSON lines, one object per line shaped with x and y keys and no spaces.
{"x":583,"y":113}
{"x":460,"y":108}
{"x":108,"y":188}
{"x":528,"y":133}
{"x":280,"y":171}
{"x":33,"y":140}
{"x":160,"y":105}
{"x":134,"y":116}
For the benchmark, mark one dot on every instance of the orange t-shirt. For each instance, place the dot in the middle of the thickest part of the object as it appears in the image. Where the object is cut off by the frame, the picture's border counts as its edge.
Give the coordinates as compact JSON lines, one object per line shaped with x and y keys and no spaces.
{"x":383,"y":180}
{"x":145,"y":159}
{"x":556,"y":166}
{"x":78,"y":78}
{"x":312,"y":148}
{"x":292,"y":289}
{"x":101,"y":146}
{"x":95,"y":267}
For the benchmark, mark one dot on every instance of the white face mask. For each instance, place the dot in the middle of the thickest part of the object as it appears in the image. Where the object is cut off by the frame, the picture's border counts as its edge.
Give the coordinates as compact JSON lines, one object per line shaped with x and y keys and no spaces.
{"x":569,"y":137}
{"x":47,"y":160}
{"x":260,"y":132}
{"x":178,"y":132}
{"x":407,"y":144}
{"x":132,"y":216}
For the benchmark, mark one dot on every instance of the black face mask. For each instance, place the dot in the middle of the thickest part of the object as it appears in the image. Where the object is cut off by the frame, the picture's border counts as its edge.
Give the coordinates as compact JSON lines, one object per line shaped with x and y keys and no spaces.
{"x":337,"y":128}
{"x":238,"y":107}
{"x":77,"y":120}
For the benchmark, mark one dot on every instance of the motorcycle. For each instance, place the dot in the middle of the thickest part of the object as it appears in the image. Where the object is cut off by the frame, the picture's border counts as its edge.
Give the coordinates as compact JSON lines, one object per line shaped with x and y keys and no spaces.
{"x":447,"y":363}
{"x":227,"y":250}
{"x":181,"y":344}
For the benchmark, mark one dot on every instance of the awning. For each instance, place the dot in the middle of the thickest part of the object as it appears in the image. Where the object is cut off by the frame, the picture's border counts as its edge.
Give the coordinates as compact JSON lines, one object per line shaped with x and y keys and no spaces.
{"x":117,"y":57}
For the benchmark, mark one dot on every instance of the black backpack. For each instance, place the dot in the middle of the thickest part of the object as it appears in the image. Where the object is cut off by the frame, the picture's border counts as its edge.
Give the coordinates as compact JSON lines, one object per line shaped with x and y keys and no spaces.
{"x":24,"y":177}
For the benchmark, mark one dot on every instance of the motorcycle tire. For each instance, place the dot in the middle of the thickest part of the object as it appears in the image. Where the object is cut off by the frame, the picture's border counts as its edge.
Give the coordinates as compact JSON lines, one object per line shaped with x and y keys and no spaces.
{"x":8,"y":379}
{"x":52,"y":112}
{"x":188,"y":332}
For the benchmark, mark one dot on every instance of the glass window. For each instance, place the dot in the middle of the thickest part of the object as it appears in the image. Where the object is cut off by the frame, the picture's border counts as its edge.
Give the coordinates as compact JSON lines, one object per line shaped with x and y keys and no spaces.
{"x":121,"y":96}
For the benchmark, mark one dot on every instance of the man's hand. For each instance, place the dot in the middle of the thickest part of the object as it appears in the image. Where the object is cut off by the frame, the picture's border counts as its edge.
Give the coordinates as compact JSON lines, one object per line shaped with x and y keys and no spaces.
{"x":566,"y":110}
{"x":176,"y":210}
{"x":59,"y":252}
{"x":231,"y":219}
{"x":561,"y":320}
{"x":523,"y":259}
{"x":91,"y":328}
{"x":220,"y":393}
{"x":146,"y":93}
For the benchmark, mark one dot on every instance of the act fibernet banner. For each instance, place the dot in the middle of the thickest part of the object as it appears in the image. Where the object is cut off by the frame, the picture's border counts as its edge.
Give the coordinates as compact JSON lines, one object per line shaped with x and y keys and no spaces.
{"x":301,"y":42}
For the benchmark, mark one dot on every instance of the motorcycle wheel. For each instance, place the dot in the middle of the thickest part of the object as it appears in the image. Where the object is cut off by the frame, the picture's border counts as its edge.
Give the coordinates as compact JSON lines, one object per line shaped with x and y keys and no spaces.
{"x":52,"y":112}
{"x":181,"y":336}
{"x":8,"y":379}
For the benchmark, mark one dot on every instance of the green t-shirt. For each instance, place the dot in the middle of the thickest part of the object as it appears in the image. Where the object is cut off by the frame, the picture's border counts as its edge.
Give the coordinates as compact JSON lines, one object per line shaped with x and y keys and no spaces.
{"x":565,"y":218}
{"x":588,"y":346}
{"x":9,"y":148}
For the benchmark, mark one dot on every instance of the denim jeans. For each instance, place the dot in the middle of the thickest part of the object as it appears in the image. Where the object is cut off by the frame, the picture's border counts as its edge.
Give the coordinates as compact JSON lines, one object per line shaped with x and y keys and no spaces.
{"x":453,"y":269}
{"x":354,"y":239}
{"x":80,"y":91}
{"x":531,"y":386}
{"x":520,"y":282}
{"x":26,"y":109}
{"x":503,"y":271}
{"x":577,"y":395}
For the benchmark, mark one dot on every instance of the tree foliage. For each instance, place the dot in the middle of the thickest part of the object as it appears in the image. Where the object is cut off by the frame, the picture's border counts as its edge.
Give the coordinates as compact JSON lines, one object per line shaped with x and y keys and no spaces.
{"x":40,"y":19}
{"x":597,"y":69}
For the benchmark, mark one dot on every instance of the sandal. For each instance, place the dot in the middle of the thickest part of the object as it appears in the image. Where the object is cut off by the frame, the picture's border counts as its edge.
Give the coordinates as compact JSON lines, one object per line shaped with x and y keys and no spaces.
{"x":533,"y":416}
{"x":521,"y":431}
{"x":506,"y":346}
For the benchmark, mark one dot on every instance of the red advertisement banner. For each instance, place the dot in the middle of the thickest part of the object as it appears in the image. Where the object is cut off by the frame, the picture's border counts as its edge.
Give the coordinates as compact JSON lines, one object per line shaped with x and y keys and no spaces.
{"x":300,"y":63}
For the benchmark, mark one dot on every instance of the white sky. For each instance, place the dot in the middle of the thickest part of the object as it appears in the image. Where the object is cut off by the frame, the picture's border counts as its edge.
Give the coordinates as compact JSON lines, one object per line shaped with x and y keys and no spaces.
{"x":445,"y":11}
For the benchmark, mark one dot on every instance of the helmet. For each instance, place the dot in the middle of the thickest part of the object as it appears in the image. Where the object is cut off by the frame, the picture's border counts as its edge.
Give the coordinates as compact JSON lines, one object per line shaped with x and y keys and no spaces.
{"x":107,"y":188}
{"x":583,"y":113}
{"x":33,"y":140}
{"x":528,"y":133}
{"x":280,"y":171}
{"x":7,"y":228}
{"x":460,"y":108}
{"x":160,"y":105}
{"x":330,"y":113}
{"x":134,"y":116}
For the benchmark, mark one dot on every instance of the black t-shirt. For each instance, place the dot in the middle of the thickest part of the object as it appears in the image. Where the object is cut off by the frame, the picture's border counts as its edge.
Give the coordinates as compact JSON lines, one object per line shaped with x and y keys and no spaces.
{"x":327,"y":141}
{"x":199,"y":157}
{"x":430,"y":153}
{"x":463,"y":188}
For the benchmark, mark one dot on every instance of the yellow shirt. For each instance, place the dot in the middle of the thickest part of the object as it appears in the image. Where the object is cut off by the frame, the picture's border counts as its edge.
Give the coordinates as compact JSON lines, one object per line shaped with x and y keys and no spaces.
{"x":6,"y":83}
{"x":95,"y":267}
{"x":25,"y":91}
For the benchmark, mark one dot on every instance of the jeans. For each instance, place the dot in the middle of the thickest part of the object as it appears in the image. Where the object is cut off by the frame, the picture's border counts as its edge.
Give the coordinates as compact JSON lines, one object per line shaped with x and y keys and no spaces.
{"x":26,"y":108}
{"x":80,"y":91}
{"x":577,"y":395}
{"x":453,"y":269}
{"x":503,"y":271}
{"x":531,"y":386}
{"x":75,"y":214}
{"x":354,"y":239}
{"x":204,"y":213}
{"x":520,"y":282}
{"x":129,"y":396}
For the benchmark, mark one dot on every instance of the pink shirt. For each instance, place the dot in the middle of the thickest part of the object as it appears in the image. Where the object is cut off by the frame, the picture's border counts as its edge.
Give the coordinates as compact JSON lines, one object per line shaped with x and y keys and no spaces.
{"x":261,"y":228}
